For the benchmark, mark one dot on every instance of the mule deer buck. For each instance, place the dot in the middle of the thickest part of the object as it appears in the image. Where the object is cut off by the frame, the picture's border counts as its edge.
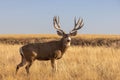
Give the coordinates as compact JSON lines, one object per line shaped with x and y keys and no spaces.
{"x":52,"y":50}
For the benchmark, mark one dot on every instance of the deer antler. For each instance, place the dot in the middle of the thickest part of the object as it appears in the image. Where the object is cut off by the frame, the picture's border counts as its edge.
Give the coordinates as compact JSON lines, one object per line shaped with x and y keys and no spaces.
{"x":78,"y":25}
{"x":56,"y":24}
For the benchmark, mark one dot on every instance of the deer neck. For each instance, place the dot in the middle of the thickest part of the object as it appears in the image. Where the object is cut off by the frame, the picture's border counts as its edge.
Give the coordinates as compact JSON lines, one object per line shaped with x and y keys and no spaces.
{"x":63,"y":46}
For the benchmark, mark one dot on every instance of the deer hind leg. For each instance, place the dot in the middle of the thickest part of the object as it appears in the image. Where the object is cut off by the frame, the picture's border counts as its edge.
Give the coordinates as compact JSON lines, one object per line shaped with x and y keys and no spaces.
{"x":28,"y":67}
{"x":54,"y":65}
{"x":22,"y":63}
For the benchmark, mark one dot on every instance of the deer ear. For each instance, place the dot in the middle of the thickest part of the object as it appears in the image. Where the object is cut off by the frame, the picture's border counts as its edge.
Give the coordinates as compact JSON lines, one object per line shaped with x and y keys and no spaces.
{"x":60,"y":32}
{"x":73,"y":33}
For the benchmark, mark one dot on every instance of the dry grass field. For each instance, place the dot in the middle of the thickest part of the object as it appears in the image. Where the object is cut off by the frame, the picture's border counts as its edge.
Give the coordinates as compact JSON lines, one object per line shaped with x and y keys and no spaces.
{"x":86,"y":36}
{"x":78,"y":63}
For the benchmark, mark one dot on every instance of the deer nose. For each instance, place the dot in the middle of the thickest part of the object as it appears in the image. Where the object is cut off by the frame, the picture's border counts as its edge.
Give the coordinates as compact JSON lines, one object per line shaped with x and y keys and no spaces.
{"x":68,"y":40}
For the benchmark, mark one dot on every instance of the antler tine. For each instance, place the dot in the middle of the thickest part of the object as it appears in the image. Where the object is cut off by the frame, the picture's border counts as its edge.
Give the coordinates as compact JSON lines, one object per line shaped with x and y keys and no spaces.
{"x":56,"y":22}
{"x":81,"y":22}
{"x":77,"y":25}
{"x":59,"y":21}
{"x":75,"y":21}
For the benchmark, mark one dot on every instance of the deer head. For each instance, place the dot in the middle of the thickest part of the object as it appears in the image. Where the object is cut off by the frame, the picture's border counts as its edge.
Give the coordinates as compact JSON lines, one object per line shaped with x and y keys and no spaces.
{"x":66,"y":38}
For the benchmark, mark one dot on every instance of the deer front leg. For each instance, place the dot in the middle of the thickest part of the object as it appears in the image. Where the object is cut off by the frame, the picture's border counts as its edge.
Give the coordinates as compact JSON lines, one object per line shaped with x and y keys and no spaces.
{"x":54,"y":65}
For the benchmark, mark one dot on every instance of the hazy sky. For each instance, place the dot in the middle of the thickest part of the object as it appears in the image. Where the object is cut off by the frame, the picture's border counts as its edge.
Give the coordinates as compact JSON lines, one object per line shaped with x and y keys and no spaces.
{"x":36,"y":16}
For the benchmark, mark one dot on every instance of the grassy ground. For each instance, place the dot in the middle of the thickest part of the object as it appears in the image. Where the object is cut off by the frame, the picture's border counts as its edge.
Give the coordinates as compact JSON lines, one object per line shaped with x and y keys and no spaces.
{"x":85,"y":36}
{"x":78,"y":63}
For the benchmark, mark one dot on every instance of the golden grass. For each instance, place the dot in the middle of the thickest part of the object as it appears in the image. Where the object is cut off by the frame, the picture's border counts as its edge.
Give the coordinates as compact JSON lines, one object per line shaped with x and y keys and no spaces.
{"x":78,"y":63}
{"x":85,"y":36}
{"x":20,"y":36}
